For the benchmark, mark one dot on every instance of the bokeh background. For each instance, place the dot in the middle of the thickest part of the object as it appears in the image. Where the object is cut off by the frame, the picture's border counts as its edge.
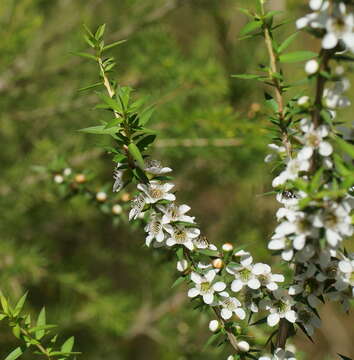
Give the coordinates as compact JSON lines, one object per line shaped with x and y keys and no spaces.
{"x":95,"y":278}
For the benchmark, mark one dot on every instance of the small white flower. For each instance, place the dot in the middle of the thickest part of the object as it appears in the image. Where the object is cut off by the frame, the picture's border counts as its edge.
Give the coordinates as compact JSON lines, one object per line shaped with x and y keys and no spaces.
{"x":101,"y":196}
{"x":280,"y":308}
{"x":277,"y":151}
{"x":244,"y":276}
{"x":230,"y":306}
{"x":336,"y":221}
{"x":154,"y":229}
{"x":155,"y":167}
{"x":58,"y":179}
{"x":155,"y":191}
{"x":181,"y":235}
{"x":182,"y":265}
{"x":345,"y":274}
{"x":205,"y":286}
{"x":334,"y":97}
{"x":118,"y":178}
{"x":172,"y":212}
{"x":311,"y":67}
{"x":138,"y":204}
{"x":265,"y":276}
{"x":292,"y":170}
{"x":67,"y":172}
{"x":281,"y":354}
{"x":313,"y":139}
{"x":282,"y":243}
{"x":214,"y":325}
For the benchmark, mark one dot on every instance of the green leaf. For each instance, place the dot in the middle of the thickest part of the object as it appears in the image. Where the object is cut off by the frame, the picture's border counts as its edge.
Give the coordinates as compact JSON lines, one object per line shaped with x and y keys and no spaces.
{"x":4,"y":304}
{"x":135,"y":152}
{"x":68,"y":345}
{"x":16,"y":330}
{"x":113,"y":122}
{"x":84,"y":55}
{"x":287,"y":42}
{"x":14,"y":354}
{"x":112,"y":103}
{"x":90,"y":86}
{"x":248,"y":76}
{"x":345,"y":146}
{"x":124,"y":95}
{"x":297,"y":56}
{"x":208,"y":252}
{"x":20,"y":304}
{"x":41,"y":321}
{"x":146,"y":141}
{"x":110,"y":46}
{"x":178,"y":281}
{"x":100,"y":32}
{"x":344,"y":357}
{"x":146,"y":114}
{"x":251,"y":26}
{"x":100,"y":130}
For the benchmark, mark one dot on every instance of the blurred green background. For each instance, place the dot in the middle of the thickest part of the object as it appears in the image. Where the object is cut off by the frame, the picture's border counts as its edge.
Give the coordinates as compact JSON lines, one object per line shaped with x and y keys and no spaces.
{"x":97,"y":280}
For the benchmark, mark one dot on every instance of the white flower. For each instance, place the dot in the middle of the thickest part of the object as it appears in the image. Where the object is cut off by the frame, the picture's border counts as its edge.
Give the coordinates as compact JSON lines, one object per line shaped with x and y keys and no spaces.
{"x":230,"y":306}
{"x":138,"y":204}
{"x":155,"y":167}
{"x":282,"y":243}
{"x":214,"y":325}
{"x":118,"y":178}
{"x":249,"y":299}
{"x":201,"y":242}
{"x":345,"y":274}
{"x":277,"y":150}
{"x":181,"y":235}
{"x":154,"y":229}
{"x":281,"y":354}
{"x":117,"y":209}
{"x":172,"y":212}
{"x":336,"y":221}
{"x":58,"y":179}
{"x":205,"y":286}
{"x":313,"y":139}
{"x":67,"y":172}
{"x":101,"y":196}
{"x":265,"y":276}
{"x":182,"y":265}
{"x":292,"y":170}
{"x":311,"y":67}
{"x":155,"y":191}
{"x":339,"y":27}
{"x":317,"y":19}
{"x":280,"y":308}
{"x":244,"y":276}
{"x":334,"y":97}
{"x":304,"y":101}
{"x":307,"y":318}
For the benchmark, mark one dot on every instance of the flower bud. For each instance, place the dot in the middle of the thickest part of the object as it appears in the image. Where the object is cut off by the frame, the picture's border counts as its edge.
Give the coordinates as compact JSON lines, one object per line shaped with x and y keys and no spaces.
{"x":117,"y":209}
{"x":214,"y":325}
{"x":80,"y":178}
{"x":67,"y":171}
{"x":243,"y":346}
{"x":304,"y":101}
{"x":227,"y":247}
{"x":58,"y":179}
{"x":311,"y":67}
{"x":101,"y":196}
{"x":230,"y":358}
{"x":218,"y":263}
{"x":182,"y":265}
{"x":125,"y":197}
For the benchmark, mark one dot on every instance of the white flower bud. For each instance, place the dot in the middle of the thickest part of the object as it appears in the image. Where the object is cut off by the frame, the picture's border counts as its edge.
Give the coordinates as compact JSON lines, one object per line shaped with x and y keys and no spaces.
{"x":218,"y":263}
{"x":214,"y":325}
{"x":312,"y":67}
{"x":304,"y":101}
{"x":182,"y":265}
{"x":80,"y":178}
{"x":117,"y":209}
{"x":67,"y":171}
{"x":227,"y":247}
{"x":244,"y":346}
{"x":101,"y":196}
{"x":58,"y":179}
{"x":230,"y":358}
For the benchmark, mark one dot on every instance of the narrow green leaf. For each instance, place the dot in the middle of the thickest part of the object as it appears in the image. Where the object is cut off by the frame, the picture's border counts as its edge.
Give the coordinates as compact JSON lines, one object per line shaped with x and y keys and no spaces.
{"x":113,"y":122}
{"x":146,"y":115}
{"x":84,"y":55}
{"x":297,"y":56}
{"x":90,"y":86}
{"x":178,"y":281}
{"x":251,"y":26}
{"x":112,"y":103}
{"x":248,"y":76}
{"x":100,"y":130}
{"x":68,"y":345}
{"x":285,"y":44}
{"x":20,"y":304}
{"x":100,"y":31}
{"x":345,"y":146}
{"x":14,"y":354}
{"x":4,"y":304}
{"x":110,"y":46}
{"x":41,"y":321}
{"x":344,"y":357}
{"x":135,"y":152}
